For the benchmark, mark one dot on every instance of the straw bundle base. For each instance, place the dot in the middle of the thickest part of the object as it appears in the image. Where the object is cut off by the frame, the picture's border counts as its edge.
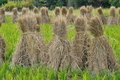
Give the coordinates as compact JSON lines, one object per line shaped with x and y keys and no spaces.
{"x":103,"y":19}
{"x":44,"y":19}
{"x":101,"y":56}
{"x":59,"y":53}
{"x":15,"y":17}
{"x":70,"y":19}
{"x":112,"y":21}
{"x":2,"y":18}
{"x":29,"y":50}
{"x":81,"y":49}
{"x":118,"y":21}
{"x":88,"y":16}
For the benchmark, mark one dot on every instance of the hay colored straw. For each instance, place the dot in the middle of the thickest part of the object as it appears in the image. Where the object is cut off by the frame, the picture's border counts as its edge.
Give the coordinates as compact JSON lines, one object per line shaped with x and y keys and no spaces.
{"x":118,"y":20}
{"x":101,"y":56}
{"x":44,"y":15}
{"x":81,"y":43}
{"x":2,"y":49}
{"x":15,"y":15}
{"x":64,"y":11}
{"x":2,"y":15}
{"x":89,"y":12}
{"x":57,"y":11}
{"x":112,"y":20}
{"x":102,"y":16}
{"x":83,"y":10}
{"x":70,"y":16}
{"x":60,"y":50}
{"x":31,"y":45}
{"x":35,"y":10}
{"x":25,"y":10}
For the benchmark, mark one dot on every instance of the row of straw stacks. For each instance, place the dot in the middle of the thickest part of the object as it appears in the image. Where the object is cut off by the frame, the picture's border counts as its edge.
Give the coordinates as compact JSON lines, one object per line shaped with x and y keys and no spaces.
{"x":87,"y":51}
{"x":84,"y":11}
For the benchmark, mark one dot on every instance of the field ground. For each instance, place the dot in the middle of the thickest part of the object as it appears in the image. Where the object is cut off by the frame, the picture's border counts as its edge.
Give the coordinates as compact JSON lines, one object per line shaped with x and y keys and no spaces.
{"x":12,"y":34}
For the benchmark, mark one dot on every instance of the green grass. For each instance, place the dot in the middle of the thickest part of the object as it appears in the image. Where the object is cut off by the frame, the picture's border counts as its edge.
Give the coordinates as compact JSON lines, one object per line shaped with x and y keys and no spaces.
{"x":12,"y":34}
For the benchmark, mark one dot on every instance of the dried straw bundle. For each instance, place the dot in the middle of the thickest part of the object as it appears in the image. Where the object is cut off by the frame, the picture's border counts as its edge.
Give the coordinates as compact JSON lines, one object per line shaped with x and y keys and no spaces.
{"x":15,"y":15}
{"x":64,"y":11}
{"x":112,"y":20}
{"x":35,"y":10}
{"x":89,"y":11}
{"x":118,"y":20}
{"x":57,"y":11}
{"x":25,"y":10}
{"x":2,"y":49}
{"x":31,"y":46}
{"x":102,"y":16}
{"x":70,"y":16}
{"x":44,"y":15}
{"x":38,"y":18}
{"x":59,"y":51}
{"x":81,"y":43}
{"x":101,"y":56}
{"x":83,"y":10}
{"x":2,"y":15}
{"x":48,"y":17}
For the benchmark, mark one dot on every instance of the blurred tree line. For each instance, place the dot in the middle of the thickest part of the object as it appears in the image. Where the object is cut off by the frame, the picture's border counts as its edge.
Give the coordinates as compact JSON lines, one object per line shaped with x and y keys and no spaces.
{"x":75,"y":3}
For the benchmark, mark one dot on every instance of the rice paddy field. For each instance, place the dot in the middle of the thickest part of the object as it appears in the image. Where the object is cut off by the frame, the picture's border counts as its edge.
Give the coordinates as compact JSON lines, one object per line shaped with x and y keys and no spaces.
{"x":11,"y":33}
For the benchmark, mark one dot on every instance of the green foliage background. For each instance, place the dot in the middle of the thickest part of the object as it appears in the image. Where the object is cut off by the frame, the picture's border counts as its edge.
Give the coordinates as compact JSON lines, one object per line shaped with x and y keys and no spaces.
{"x":51,"y":4}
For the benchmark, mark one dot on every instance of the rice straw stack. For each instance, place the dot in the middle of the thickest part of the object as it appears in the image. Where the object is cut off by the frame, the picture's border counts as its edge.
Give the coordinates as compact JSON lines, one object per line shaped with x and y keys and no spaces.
{"x":64,"y":11}
{"x":81,"y":43}
{"x":60,"y":50}
{"x":102,"y":16}
{"x":30,"y":48}
{"x":70,"y":16}
{"x":112,"y":20}
{"x":15,"y":15}
{"x":35,"y":10}
{"x":2,"y":15}
{"x":101,"y":55}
